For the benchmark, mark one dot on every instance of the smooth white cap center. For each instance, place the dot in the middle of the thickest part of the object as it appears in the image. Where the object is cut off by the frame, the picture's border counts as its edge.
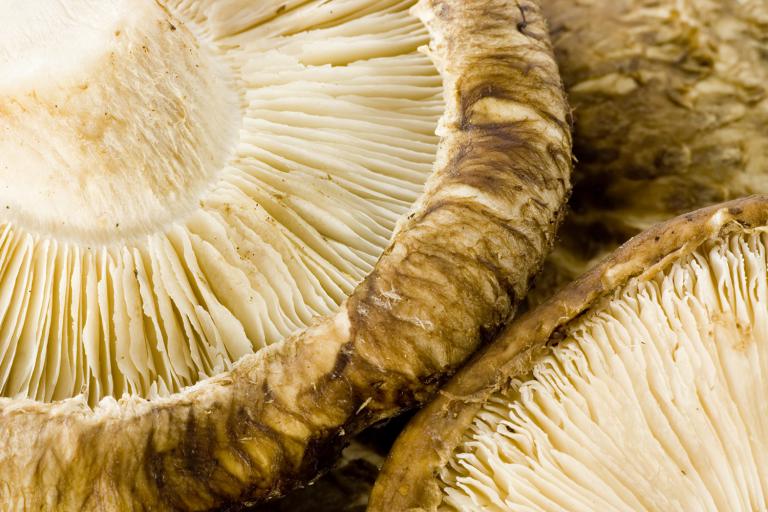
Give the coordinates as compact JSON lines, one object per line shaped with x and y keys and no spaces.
{"x":113,"y":117}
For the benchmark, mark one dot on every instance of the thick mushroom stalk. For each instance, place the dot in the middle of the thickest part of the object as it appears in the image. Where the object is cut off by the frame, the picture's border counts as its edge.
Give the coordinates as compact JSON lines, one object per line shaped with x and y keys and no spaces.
{"x":637,"y":387}
{"x":452,"y":273}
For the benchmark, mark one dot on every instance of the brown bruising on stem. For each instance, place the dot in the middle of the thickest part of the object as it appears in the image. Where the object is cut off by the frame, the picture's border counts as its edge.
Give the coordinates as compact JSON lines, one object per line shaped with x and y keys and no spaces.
{"x":409,"y":479}
{"x":670,"y":103}
{"x":452,"y":275}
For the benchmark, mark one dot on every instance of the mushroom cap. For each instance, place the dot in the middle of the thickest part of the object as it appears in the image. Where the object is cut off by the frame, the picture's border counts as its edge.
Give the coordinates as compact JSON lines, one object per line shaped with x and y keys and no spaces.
{"x":353,"y":332}
{"x":670,"y":103}
{"x":696,"y":284}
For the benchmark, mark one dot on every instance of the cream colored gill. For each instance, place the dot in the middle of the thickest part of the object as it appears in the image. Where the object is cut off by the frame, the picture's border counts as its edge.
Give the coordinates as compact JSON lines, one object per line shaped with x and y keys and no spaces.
{"x":655,"y":401}
{"x":183,"y":183}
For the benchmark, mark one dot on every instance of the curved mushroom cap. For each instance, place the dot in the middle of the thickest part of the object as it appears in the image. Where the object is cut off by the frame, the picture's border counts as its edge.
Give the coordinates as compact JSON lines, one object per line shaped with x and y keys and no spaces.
{"x":670,"y":103}
{"x":638,"y":387}
{"x":231,"y":237}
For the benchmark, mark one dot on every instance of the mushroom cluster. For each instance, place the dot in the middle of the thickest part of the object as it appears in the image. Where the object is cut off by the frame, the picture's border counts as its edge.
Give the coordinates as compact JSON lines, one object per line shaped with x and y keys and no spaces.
{"x":234,"y":234}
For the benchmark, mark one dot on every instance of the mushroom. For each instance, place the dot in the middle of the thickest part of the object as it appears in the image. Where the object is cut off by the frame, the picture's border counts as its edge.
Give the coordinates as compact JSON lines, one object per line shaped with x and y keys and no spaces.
{"x":639,"y":386}
{"x":231,"y":238}
{"x":670,"y":103}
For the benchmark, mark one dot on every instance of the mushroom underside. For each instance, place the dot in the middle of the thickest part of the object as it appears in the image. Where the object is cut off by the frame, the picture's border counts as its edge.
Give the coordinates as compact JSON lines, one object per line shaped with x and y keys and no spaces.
{"x":652,"y":400}
{"x":192,"y":182}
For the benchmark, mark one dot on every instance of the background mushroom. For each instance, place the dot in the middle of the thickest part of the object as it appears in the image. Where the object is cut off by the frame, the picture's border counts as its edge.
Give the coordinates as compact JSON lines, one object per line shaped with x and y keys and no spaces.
{"x":670,"y":102}
{"x":639,"y":386}
{"x":231,"y":238}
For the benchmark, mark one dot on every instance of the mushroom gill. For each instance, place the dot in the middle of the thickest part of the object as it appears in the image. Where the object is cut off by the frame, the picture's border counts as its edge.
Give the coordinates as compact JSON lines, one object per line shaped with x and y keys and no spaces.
{"x":184,"y":183}
{"x":653,"y":400}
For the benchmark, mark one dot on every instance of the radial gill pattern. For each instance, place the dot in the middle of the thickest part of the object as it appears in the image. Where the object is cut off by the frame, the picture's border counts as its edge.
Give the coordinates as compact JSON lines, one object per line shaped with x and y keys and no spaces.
{"x":336,"y":140}
{"x":654,"y":401}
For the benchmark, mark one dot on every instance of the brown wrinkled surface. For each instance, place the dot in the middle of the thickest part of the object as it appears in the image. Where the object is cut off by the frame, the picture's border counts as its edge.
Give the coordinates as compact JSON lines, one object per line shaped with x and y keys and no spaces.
{"x":670,"y":103}
{"x":409,"y":478}
{"x":454,"y":271}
